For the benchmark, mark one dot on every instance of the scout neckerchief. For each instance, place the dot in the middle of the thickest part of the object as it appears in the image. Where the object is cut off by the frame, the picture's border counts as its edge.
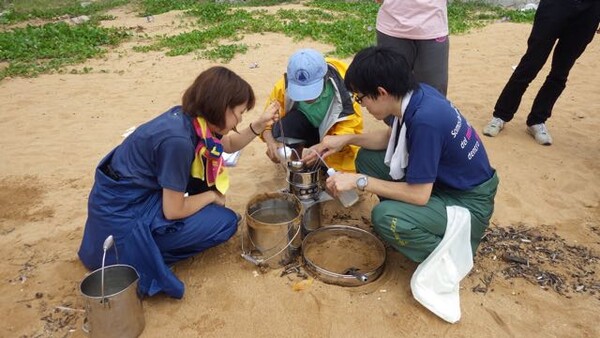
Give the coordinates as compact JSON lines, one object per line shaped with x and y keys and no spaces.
{"x":211,"y":149}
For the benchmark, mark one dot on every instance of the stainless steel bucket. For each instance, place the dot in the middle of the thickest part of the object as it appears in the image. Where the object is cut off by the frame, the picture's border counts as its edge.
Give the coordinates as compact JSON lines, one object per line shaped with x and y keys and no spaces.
{"x":273,"y":225}
{"x":112,"y":305}
{"x":311,"y":220}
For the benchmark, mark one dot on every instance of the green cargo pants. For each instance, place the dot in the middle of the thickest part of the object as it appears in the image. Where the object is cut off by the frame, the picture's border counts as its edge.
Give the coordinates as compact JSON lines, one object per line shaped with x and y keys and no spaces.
{"x":416,"y":230}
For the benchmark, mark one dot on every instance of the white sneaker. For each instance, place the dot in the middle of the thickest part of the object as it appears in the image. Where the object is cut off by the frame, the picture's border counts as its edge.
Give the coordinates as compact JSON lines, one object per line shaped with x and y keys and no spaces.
{"x":540,"y":133}
{"x":494,"y":127}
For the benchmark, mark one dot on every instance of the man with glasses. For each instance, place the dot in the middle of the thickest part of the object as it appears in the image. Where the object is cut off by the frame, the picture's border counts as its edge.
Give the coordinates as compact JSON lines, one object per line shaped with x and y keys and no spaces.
{"x":429,"y":159}
{"x":314,"y":103}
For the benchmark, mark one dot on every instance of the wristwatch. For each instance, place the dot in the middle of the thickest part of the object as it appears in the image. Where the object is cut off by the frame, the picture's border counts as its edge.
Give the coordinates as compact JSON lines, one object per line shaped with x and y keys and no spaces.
{"x":361,"y":182}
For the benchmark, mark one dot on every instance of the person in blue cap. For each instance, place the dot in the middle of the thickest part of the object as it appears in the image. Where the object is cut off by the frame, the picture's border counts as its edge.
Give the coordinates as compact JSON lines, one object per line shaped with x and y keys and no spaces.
{"x":314,"y":103}
{"x":161,"y":192}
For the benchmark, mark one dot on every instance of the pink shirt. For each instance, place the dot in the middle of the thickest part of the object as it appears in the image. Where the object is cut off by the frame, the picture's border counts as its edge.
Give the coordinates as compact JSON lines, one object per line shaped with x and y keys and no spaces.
{"x":413,"y":19}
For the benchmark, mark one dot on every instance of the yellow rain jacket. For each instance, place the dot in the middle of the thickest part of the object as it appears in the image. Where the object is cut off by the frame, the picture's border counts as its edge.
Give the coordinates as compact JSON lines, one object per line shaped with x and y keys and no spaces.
{"x":344,"y":116}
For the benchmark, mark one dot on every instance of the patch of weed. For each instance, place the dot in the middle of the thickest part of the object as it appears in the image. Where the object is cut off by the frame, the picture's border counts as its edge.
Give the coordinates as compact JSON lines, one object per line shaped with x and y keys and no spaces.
{"x":464,"y":16}
{"x":154,"y":7}
{"x":36,"y":49}
{"x":22,"y":10}
{"x":224,"y":53}
{"x":347,"y":26}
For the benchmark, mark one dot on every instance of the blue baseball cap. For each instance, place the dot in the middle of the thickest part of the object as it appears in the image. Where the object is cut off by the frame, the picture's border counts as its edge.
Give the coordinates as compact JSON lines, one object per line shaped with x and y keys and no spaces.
{"x":305,"y":75}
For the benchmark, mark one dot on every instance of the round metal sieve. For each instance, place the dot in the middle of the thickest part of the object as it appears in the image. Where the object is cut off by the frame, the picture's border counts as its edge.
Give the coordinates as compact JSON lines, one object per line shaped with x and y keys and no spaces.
{"x":343,"y":255}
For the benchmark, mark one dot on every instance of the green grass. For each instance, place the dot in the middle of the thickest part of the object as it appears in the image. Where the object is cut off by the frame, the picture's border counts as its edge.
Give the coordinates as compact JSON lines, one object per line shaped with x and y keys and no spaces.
{"x":216,"y":33}
{"x":37,"y":49}
{"x":464,"y":16}
{"x":21,"y":10}
{"x":224,"y":53}
{"x":348,"y":27}
{"x":155,"y":7}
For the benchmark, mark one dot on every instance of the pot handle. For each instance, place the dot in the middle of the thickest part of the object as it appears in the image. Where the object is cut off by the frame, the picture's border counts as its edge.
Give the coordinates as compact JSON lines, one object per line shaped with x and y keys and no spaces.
{"x":360,"y":276}
{"x":108,"y":243}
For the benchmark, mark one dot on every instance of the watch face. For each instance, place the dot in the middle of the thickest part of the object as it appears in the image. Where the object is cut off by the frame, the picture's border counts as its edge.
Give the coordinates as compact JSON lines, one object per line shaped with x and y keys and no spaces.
{"x":361,"y":183}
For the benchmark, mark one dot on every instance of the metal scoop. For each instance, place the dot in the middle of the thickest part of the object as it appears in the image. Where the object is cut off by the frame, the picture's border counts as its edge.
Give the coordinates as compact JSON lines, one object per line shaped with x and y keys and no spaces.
{"x":354,"y":272}
{"x":296,"y":165}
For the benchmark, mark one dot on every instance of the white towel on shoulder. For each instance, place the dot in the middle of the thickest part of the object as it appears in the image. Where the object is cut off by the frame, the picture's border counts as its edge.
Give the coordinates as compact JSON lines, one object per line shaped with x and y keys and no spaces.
{"x":435,"y":283}
{"x":397,"y":158}
{"x":396,"y":155}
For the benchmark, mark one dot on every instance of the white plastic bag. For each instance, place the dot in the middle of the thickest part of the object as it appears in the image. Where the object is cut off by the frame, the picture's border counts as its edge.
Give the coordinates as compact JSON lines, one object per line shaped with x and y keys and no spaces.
{"x":435,"y":283}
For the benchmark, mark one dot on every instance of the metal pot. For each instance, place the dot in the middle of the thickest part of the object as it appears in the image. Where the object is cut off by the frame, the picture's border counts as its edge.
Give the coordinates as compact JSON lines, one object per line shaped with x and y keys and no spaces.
{"x":273,"y":224}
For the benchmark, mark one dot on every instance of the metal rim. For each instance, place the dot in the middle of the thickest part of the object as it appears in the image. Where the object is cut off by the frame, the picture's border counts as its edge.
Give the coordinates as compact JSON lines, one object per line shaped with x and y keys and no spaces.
{"x":108,"y":267}
{"x":337,"y":278}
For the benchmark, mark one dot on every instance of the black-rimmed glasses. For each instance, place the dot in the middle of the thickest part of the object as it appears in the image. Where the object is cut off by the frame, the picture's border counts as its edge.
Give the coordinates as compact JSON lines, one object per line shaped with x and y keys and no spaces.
{"x":358,"y":99}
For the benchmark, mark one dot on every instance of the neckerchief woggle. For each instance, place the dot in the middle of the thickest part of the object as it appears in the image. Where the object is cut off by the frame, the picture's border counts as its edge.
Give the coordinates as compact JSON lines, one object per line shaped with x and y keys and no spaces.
{"x":211,"y":149}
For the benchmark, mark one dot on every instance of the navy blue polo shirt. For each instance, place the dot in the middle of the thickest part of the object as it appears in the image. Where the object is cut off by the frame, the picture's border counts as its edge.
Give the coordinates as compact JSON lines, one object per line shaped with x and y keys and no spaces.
{"x":443,"y":147}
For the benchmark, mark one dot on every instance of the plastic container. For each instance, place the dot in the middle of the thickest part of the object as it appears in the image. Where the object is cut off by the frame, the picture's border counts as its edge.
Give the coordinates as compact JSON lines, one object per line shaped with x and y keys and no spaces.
{"x":349,"y":197}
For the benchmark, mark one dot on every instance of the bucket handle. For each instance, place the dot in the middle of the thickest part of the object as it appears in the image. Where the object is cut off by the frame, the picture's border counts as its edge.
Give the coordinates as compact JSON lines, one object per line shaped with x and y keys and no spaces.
{"x":108,"y":243}
{"x":258,"y":261}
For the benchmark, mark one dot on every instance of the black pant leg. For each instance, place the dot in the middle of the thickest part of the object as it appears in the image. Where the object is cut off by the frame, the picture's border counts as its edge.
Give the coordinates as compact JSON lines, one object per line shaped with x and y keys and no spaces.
{"x":571,"y":44}
{"x":549,"y":21}
{"x":296,"y":125}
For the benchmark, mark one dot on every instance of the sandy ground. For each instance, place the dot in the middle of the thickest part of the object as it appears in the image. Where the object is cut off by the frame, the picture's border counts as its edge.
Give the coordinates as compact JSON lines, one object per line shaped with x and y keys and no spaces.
{"x":55,"y":128}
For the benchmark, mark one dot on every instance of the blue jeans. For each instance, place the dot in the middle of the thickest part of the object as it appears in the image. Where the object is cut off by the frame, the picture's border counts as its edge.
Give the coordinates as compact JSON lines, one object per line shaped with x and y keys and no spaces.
{"x":180,"y":239}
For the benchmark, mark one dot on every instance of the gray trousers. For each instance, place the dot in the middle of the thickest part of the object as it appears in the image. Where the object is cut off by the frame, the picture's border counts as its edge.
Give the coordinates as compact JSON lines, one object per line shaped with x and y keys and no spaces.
{"x":427,"y":58}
